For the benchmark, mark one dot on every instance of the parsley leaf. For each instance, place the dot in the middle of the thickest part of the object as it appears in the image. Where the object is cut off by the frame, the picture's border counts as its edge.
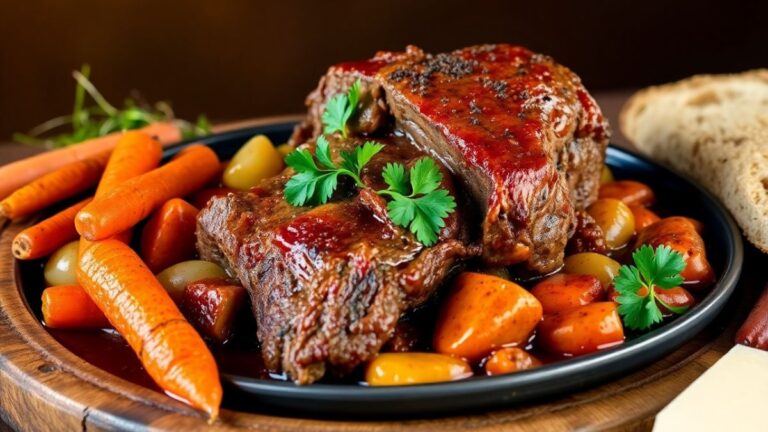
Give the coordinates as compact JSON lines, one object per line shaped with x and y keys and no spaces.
{"x":424,"y":210}
{"x":313,"y":184}
{"x":394,"y":176}
{"x":416,"y":200}
{"x":339,"y":110}
{"x":638,"y":303}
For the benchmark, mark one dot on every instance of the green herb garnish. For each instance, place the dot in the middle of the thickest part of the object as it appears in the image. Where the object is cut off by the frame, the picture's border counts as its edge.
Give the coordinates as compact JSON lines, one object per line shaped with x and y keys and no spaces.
{"x":638,"y":303}
{"x":339,"y":110}
{"x":314,"y":183}
{"x":103,"y":118}
{"x":422,"y":210}
{"x":416,"y":200}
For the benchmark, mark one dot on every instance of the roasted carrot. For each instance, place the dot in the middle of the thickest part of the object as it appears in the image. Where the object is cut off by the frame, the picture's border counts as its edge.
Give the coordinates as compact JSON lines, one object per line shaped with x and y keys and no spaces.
{"x":53,"y":187}
{"x":168,"y":237}
{"x":45,"y":237}
{"x":19,"y":173}
{"x":138,"y":307}
{"x":135,"y":153}
{"x":69,"y":306}
{"x":136,"y":198}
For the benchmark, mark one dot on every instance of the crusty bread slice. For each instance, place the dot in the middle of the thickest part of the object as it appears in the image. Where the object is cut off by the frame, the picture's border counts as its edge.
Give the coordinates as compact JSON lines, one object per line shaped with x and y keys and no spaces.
{"x":715,"y":129}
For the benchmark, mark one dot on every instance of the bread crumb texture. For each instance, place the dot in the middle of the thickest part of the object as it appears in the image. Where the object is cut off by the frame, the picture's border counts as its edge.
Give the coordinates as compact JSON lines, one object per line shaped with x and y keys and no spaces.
{"x":715,"y":129}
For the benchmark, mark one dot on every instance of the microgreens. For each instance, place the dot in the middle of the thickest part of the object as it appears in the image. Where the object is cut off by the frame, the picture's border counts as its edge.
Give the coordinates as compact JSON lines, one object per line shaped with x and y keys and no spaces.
{"x":638,"y":303}
{"x":103,"y":118}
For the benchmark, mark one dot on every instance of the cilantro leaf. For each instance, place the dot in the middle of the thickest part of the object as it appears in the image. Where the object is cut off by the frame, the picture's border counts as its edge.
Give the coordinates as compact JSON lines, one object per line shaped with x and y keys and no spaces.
{"x":339,"y":110}
{"x":638,"y":303}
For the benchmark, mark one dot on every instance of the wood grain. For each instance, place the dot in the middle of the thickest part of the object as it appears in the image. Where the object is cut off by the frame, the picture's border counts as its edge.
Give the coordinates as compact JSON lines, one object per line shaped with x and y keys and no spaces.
{"x":43,"y":386}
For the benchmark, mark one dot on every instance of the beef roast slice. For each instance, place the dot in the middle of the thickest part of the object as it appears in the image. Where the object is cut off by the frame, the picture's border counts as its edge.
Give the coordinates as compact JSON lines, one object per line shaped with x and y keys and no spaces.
{"x":519,"y":130}
{"x":328,"y":284}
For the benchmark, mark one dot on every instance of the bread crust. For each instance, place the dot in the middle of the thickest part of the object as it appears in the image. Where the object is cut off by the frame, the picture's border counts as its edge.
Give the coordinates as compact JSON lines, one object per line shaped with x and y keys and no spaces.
{"x":713,"y":128}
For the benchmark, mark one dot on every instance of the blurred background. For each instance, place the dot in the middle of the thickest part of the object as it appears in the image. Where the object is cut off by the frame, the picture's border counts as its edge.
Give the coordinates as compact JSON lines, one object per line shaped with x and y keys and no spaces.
{"x":237,"y":59}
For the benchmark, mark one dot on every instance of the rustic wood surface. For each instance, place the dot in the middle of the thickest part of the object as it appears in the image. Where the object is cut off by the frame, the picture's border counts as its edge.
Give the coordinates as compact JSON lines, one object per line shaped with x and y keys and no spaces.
{"x":43,"y":386}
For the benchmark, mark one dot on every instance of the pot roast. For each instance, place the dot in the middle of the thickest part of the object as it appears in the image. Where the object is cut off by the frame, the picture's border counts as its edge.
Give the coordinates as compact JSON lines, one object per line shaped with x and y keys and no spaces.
{"x":517,"y":133}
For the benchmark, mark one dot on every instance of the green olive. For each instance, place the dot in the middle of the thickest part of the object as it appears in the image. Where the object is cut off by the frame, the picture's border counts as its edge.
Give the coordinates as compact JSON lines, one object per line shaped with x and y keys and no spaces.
{"x":595,"y":264}
{"x":61,"y":268}
{"x":176,"y":277}
{"x":256,"y":160}
{"x":615,"y":219}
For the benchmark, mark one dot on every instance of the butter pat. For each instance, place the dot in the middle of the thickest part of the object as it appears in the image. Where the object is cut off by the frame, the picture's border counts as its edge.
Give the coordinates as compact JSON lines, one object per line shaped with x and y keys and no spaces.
{"x":731,"y":396}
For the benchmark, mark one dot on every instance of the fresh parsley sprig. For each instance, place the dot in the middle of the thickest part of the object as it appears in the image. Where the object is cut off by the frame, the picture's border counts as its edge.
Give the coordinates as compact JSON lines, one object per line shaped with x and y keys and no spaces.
{"x":314,"y":183}
{"x":417,"y":202}
{"x":102,"y":118}
{"x":638,"y":303}
{"x":339,"y":110}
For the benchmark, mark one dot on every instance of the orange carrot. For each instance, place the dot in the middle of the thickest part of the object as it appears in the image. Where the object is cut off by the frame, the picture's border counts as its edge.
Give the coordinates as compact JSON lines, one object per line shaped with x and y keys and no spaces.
{"x":168,"y":237}
{"x":136,"y":198}
{"x":45,"y":237}
{"x":19,"y":173}
{"x":53,"y":187}
{"x":135,"y":153}
{"x":69,"y":306}
{"x":140,"y":309}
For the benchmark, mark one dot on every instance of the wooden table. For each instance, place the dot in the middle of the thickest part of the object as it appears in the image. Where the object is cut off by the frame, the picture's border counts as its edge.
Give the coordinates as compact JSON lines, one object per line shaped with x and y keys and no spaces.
{"x":43,"y":386}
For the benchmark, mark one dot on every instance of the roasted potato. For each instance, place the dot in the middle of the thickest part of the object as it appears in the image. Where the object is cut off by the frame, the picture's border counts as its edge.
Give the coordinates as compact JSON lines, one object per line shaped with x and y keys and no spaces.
{"x":390,"y":369}
{"x":61,"y":267}
{"x":256,"y":160}
{"x":643,"y":217}
{"x":176,"y":277}
{"x":483,"y":313}
{"x":567,"y":291}
{"x":212,"y":305}
{"x":590,"y":263}
{"x":582,"y":330}
{"x":509,"y":360}
{"x":680,"y":234}
{"x":615,"y":219}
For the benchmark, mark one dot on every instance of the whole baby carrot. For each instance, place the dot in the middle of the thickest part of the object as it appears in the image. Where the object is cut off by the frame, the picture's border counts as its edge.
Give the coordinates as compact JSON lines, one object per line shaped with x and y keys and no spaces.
{"x":17,"y":174}
{"x":56,"y":186}
{"x":168,"y":238}
{"x":138,"y":197}
{"x":69,"y":306}
{"x":135,"y":153}
{"x":139,"y":308}
{"x":48,"y":235}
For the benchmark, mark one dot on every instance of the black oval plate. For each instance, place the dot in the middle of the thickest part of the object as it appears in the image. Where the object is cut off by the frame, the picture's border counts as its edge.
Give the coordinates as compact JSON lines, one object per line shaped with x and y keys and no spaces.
{"x":680,"y":196}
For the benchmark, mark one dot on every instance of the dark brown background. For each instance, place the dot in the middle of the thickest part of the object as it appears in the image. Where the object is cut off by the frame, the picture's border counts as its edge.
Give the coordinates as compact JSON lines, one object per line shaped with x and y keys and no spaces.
{"x":237,"y":58}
